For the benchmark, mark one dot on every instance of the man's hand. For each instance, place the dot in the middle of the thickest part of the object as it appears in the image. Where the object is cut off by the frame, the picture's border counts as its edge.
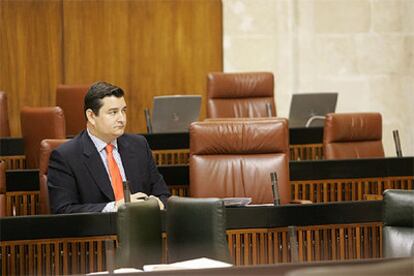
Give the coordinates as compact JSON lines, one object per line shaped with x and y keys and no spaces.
{"x":140,"y":196}
{"x":159,"y":202}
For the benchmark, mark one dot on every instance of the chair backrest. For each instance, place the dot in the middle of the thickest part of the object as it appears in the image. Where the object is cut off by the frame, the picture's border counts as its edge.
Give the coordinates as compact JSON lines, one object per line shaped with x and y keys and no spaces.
{"x":196,"y":227}
{"x":70,"y":98}
{"x":4,"y":116}
{"x":40,"y":123}
{"x":139,"y":234}
{"x":2,"y":188}
{"x":240,"y":95}
{"x":352,"y":135}
{"x":234,"y":158}
{"x":46,"y":148}
{"x":398,"y":218}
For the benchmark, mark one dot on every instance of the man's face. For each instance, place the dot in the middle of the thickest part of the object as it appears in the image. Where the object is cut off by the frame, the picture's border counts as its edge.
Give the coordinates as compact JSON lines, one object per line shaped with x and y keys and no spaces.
{"x":110,"y":122}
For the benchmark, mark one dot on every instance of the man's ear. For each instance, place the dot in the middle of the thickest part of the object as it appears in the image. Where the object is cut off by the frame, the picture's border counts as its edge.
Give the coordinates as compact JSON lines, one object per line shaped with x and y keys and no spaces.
{"x":90,"y":116}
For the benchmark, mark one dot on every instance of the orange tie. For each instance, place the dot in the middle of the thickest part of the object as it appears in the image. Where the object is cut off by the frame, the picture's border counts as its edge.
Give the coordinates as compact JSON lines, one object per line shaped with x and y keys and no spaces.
{"x":116,"y":177}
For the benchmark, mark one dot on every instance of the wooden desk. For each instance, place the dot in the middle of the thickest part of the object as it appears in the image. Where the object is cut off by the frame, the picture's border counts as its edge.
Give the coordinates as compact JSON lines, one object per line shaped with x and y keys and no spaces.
{"x":318,"y":181}
{"x":69,"y":244}
{"x":173,"y":148}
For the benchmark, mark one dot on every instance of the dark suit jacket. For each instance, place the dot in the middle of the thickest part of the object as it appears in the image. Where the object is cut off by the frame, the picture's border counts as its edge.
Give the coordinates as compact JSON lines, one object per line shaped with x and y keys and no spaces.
{"x":79,"y":182}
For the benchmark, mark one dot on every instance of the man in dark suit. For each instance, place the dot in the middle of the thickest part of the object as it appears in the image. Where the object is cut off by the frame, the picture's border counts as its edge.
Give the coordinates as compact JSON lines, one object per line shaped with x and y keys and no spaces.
{"x":86,"y":173}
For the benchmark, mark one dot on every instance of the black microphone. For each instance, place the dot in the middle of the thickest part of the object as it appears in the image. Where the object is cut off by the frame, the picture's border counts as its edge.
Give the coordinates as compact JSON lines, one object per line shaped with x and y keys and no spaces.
{"x":127,"y":191}
{"x":269,"y":110}
{"x":148,"y":120}
{"x":110,"y":256}
{"x":293,"y":244}
{"x":397,"y":142}
{"x":275,"y":189}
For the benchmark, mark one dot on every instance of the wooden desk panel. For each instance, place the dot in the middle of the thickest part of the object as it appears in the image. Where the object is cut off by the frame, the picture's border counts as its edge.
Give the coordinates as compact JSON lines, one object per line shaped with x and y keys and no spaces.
{"x":54,"y":256}
{"x":315,"y":243}
{"x":318,"y":181}
{"x":246,"y":246}
{"x":44,"y":245}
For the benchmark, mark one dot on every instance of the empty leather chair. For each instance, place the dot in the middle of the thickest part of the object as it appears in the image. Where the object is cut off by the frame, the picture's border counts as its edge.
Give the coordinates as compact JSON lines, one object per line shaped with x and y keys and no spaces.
{"x":139,"y":234}
{"x":196,"y":227}
{"x":352,"y":135}
{"x":70,"y":98}
{"x":2,"y":188}
{"x":46,"y":148}
{"x":240,"y":95}
{"x":398,"y":218}
{"x":234,"y":158}
{"x":40,"y":123}
{"x":4,"y":116}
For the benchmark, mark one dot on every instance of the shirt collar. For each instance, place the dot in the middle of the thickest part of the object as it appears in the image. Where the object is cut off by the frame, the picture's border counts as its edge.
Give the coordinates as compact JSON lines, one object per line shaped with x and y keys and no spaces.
{"x":99,"y":144}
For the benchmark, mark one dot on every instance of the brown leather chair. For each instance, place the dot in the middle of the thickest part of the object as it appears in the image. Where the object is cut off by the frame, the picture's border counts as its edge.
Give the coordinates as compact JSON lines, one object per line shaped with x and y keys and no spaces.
{"x":46,"y":148}
{"x":240,"y":95}
{"x":70,"y":99}
{"x":4,"y":116}
{"x":234,"y":158}
{"x":352,"y":135}
{"x":40,"y":123}
{"x":2,"y":188}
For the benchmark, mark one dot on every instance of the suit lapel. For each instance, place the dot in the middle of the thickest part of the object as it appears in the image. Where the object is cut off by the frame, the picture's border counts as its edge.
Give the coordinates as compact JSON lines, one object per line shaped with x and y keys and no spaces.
{"x":129,"y":159}
{"x":96,"y":168}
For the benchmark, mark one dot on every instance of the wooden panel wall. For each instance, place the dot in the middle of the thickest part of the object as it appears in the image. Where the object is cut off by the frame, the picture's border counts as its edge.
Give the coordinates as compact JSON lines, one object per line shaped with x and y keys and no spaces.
{"x":30,"y":54}
{"x":148,"y":47}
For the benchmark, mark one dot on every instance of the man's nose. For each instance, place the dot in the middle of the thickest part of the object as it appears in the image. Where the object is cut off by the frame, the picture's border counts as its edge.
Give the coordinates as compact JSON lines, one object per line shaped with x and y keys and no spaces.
{"x":121,"y":116}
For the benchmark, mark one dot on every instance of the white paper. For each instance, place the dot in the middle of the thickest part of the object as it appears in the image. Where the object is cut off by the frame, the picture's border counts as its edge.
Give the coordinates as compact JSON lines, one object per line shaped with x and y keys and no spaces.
{"x":117,"y":271}
{"x":199,"y":263}
{"x":236,"y":201}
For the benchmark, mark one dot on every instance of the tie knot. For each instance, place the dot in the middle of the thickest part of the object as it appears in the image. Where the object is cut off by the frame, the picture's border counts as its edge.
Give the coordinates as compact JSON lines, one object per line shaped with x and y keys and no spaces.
{"x":109,"y":148}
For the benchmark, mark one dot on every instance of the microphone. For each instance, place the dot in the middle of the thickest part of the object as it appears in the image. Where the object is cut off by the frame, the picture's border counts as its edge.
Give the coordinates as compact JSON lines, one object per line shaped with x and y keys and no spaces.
{"x":397,"y":143}
{"x":293,"y":244}
{"x":269,"y":109}
{"x":110,"y":256}
{"x":148,"y":120}
{"x":313,"y":118}
{"x":127,"y":191}
{"x":275,"y":189}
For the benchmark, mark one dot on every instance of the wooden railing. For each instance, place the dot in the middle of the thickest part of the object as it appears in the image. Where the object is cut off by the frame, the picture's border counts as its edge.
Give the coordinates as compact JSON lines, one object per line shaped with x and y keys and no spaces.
{"x":306,"y":152}
{"x":247,"y":247}
{"x":331,"y":190}
{"x":315,"y":243}
{"x":62,"y":256}
{"x":22,"y":203}
{"x":14,"y":162}
{"x":181,"y":156}
{"x":171,"y":157}
{"x":318,"y":191}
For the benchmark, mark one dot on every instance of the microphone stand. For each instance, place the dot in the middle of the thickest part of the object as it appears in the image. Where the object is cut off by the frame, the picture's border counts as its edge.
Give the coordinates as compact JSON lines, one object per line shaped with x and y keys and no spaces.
{"x":275,"y":189}
{"x":127,"y":191}
{"x":397,"y":142}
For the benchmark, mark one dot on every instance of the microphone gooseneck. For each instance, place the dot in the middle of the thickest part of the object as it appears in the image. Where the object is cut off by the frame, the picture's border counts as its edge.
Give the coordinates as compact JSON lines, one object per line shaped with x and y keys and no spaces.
{"x":275,"y":189}
{"x":397,"y":142}
{"x":127,"y":191}
{"x":148,"y":120}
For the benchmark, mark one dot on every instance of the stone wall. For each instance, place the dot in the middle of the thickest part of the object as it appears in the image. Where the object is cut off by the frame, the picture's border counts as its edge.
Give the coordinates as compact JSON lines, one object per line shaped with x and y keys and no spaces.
{"x":363,"y":49}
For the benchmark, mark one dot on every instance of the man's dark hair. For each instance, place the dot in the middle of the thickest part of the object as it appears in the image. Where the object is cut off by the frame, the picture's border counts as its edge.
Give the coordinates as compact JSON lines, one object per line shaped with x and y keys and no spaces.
{"x":98,"y":91}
